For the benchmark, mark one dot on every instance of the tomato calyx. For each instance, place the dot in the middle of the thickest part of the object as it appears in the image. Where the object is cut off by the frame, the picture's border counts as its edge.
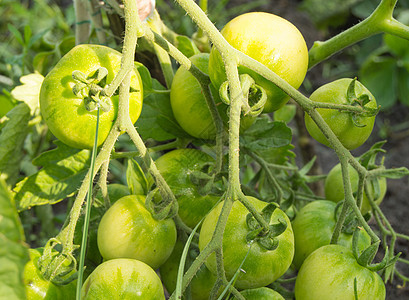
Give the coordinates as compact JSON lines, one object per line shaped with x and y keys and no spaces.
{"x":91,"y":89}
{"x":59,"y":268}
{"x":265,"y":238}
{"x":255,"y":96}
{"x":161,"y":206}
{"x":368,"y":255}
{"x":361,"y":101}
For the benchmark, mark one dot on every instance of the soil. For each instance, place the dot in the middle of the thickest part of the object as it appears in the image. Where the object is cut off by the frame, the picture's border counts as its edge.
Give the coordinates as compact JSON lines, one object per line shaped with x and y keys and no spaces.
{"x":395,"y":205}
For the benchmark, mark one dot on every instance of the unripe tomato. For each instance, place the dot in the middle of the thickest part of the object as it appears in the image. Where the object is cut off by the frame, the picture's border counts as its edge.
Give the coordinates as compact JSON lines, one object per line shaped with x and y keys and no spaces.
{"x":334,"y":187}
{"x":263,"y":293}
{"x":37,"y":288}
{"x":341,"y":123}
{"x":261,"y":266}
{"x":65,"y":113}
{"x":128,"y":230}
{"x":271,"y":40}
{"x":176,"y":168}
{"x":313,"y":227}
{"x":123,"y":278}
{"x":329,"y":273}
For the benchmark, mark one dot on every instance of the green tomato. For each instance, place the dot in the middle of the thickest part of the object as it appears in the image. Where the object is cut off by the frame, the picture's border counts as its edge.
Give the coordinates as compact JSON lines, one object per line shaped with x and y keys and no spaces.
{"x":176,"y":168}
{"x":66,"y":114}
{"x":262,"y":293}
{"x":334,"y":187}
{"x":272,"y":41}
{"x":37,"y":288}
{"x":123,"y":279}
{"x":200,"y":286}
{"x":313,"y":227}
{"x":189,"y":104}
{"x":128,"y":230}
{"x":329,"y":273}
{"x":341,"y":123}
{"x":261,"y":266}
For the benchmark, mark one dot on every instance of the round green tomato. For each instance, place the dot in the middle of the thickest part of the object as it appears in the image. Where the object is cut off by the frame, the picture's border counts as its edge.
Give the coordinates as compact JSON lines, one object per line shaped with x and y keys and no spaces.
{"x":329,"y":273}
{"x":189,"y":104}
{"x":272,"y":41}
{"x":128,"y":230}
{"x":261,"y":266}
{"x":176,"y":168}
{"x":37,"y":288}
{"x":262,"y":293}
{"x":313,"y":227}
{"x":341,"y":123}
{"x":125,"y":279}
{"x":200,"y":286}
{"x":334,"y":187}
{"x":66,"y":114}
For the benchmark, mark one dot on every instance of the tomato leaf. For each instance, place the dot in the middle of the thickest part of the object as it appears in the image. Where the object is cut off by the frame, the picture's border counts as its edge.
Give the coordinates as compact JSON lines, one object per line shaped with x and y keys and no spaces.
{"x":63,"y":170}
{"x":186,"y":46}
{"x":137,"y":182}
{"x":379,"y":75}
{"x":13,"y":253}
{"x":29,"y":91}
{"x":12,"y":139}
{"x":264,"y":135}
{"x":156,"y":120}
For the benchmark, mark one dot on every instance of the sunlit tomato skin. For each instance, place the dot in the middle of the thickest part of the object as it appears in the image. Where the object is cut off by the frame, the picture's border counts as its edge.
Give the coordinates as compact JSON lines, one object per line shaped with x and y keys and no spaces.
{"x":189,"y":104}
{"x":261,"y":266}
{"x":272,"y":41}
{"x":313,"y":227}
{"x":200,"y":286}
{"x":329,"y":273}
{"x":65,"y":113}
{"x":341,"y":123}
{"x":123,"y":279}
{"x":334,"y":187}
{"x":176,"y":168}
{"x":128,"y":230}
{"x":262,"y":293}
{"x":37,"y":288}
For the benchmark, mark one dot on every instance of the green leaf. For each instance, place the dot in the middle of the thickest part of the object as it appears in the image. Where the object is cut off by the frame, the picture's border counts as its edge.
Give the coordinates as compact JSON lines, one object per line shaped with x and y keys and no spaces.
{"x":63,"y":170}
{"x":398,"y":46}
{"x":13,"y":253}
{"x":156,"y":120}
{"x":29,"y":91}
{"x":379,"y":75}
{"x":403,"y":85}
{"x":264,"y":135}
{"x":135,"y":177}
{"x":27,"y":35}
{"x":186,"y":46}
{"x":16,"y":34}
{"x":12,"y":138}
{"x":145,"y":76}
{"x":43,"y":60}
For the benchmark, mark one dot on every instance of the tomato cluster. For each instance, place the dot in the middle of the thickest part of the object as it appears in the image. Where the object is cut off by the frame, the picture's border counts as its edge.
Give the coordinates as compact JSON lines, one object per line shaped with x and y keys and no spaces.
{"x":134,"y":242}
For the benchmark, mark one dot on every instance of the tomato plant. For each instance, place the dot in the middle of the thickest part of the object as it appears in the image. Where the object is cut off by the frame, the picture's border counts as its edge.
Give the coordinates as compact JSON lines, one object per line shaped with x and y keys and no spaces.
{"x":313,"y":227}
{"x":334,"y":188}
{"x":351,"y":129}
{"x":123,"y":278}
{"x":201,"y":284}
{"x":68,"y":114}
{"x":261,"y":267}
{"x":330,"y":273}
{"x":178,"y":167}
{"x":271,"y":40}
{"x":128,"y":230}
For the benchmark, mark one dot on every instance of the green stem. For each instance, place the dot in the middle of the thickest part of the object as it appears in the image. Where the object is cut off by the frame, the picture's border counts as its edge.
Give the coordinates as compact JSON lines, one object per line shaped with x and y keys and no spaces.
{"x":380,"y":20}
{"x":102,"y":183}
{"x":87,"y":214}
{"x":82,"y":22}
